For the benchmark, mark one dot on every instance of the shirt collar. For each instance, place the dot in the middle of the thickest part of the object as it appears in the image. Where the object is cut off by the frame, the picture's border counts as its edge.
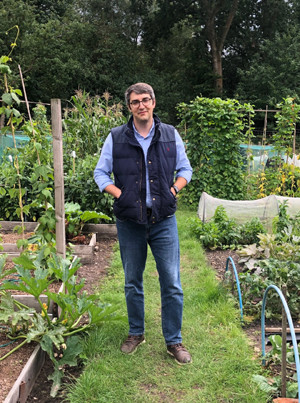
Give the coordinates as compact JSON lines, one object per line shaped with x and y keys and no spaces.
{"x":150,"y":134}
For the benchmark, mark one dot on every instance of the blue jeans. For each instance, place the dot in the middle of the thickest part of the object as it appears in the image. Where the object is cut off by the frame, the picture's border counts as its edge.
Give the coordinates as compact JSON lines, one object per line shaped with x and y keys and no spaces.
{"x":162,"y":238}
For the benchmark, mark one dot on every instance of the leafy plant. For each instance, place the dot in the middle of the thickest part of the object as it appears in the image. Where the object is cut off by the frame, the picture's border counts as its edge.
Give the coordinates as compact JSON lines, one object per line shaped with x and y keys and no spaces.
{"x":282,"y":181}
{"x":88,"y":122}
{"x":274,"y":358}
{"x":34,"y":175}
{"x":75,"y":218}
{"x":272,"y":386}
{"x":275,"y":260}
{"x":214,"y":129}
{"x":282,"y":177}
{"x":283,"y":244}
{"x":10,"y":98}
{"x":81,"y":188}
{"x":222,"y":232}
{"x":266,"y":272}
{"x":286,"y":119}
{"x":57,"y":336}
{"x":275,"y":354}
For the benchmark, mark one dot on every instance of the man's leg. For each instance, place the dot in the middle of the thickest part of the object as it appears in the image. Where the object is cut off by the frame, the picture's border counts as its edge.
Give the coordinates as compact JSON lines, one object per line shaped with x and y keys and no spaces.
{"x":164,"y":243}
{"x":163,"y":240}
{"x":133,"y":249}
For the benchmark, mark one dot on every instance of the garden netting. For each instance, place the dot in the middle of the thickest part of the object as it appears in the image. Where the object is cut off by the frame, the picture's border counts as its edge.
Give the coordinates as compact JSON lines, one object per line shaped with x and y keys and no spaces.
{"x":244,"y":210}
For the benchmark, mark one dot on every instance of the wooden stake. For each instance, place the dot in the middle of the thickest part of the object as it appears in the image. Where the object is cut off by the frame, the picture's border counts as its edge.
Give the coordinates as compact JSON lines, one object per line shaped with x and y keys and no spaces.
{"x":294,"y":146}
{"x":279,"y":330}
{"x":283,"y":348}
{"x":58,"y":177}
{"x":265,"y":127}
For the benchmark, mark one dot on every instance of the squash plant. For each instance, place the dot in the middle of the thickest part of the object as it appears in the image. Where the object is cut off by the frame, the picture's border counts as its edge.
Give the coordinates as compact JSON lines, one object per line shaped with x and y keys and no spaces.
{"x":57,"y":336}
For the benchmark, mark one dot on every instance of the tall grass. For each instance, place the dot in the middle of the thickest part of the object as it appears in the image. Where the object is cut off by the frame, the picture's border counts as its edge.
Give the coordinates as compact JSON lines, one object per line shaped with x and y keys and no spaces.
{"x":223,"y":363}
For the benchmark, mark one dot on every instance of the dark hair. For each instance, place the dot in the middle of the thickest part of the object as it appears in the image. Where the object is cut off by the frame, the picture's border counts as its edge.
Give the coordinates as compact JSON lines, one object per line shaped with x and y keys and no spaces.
{"x":139,"y":88}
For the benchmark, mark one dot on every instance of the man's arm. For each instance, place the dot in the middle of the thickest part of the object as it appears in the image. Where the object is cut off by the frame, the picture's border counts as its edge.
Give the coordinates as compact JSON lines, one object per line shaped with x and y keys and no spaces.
{"x":183,"y":166}
{"x":103,"y":170}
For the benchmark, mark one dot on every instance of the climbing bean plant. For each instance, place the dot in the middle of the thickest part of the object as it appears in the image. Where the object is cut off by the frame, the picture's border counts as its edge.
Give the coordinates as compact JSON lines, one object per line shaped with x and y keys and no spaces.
{"x":28,"y":186}
{"x":286,"y":118}
{"x":281,"y":178}
{"x":214,"y":129}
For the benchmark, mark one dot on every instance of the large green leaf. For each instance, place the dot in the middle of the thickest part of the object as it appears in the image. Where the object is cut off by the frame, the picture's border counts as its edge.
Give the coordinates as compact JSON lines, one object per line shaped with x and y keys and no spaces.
{"x":264,"y":384}
{"x":73,"y":349}
{"x":8,"y":314}
{"x":7,"y":98}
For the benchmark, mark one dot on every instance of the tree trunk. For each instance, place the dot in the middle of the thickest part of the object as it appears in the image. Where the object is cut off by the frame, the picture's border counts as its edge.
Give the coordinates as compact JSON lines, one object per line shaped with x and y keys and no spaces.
{"x":217,"y":69}
{"x":216,"y":38}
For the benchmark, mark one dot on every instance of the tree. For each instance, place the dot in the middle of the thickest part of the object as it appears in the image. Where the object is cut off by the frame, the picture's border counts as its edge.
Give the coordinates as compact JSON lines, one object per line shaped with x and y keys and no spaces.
{"x":254,"y":23}
{"x":218,"y":17}
{"x":274,"y":72}
{"x":209,"y":20}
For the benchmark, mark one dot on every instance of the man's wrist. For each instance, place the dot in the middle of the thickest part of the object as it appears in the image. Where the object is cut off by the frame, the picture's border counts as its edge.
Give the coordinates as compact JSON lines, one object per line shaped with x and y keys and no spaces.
{"x":175,"y":188}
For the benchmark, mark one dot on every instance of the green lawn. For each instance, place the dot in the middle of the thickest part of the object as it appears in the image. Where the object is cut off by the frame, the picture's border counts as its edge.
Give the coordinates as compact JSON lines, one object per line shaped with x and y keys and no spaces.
{"x":223,"y":363}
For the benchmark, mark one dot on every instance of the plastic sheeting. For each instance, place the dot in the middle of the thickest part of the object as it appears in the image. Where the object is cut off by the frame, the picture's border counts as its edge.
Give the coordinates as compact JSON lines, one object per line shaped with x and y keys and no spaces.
{"x":258,"y":156}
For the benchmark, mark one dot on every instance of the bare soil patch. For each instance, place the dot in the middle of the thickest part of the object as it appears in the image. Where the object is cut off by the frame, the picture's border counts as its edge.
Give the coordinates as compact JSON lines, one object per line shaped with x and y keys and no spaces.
{"x":11,"y":367}
{"x":12,"y":237}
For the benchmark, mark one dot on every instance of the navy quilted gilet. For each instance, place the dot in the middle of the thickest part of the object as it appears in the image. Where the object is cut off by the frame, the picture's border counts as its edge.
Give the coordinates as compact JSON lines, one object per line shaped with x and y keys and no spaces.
{"x":130,"y":173}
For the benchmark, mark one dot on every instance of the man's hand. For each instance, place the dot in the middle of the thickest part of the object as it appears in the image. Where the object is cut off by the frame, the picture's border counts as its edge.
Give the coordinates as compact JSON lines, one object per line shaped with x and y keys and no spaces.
{"x":114,"y":191}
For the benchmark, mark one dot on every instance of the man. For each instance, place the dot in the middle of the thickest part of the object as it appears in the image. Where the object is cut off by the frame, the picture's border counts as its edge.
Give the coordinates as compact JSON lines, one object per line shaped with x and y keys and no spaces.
{"x":143,"y":156}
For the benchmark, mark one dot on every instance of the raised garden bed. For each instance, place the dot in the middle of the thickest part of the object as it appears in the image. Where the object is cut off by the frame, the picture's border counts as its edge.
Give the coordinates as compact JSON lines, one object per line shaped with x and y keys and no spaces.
{"x":84,"y":252}
{"x":31,"y":353}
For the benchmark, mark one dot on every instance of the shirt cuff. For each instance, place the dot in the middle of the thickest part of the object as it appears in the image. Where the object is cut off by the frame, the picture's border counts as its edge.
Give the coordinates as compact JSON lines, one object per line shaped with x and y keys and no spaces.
{"x":187,"y":175}
{"x":103,"y":185}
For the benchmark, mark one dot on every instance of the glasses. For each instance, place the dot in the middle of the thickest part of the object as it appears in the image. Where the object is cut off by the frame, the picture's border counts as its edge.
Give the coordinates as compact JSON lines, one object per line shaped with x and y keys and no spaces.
{"x":136,"y":103}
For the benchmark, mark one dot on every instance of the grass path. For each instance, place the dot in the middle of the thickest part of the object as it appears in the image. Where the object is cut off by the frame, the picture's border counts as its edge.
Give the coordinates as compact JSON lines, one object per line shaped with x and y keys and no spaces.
{"x":223,"y":363}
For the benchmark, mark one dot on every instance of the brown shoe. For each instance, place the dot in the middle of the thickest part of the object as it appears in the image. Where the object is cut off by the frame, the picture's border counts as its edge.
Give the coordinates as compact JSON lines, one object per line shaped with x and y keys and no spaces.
{"x":131,"y":343}
{"x":180,"y":353}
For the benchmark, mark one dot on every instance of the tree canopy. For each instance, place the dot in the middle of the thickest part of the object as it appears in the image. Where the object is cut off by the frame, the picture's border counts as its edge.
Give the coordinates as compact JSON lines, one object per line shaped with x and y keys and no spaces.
{"x":227,"y":48}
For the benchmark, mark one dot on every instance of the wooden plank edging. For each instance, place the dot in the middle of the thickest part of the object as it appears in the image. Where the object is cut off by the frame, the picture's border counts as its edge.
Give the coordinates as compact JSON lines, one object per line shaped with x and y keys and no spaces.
{"x":102,"y":230}
{"x":25,"y":381}
{"x":23,"y":385}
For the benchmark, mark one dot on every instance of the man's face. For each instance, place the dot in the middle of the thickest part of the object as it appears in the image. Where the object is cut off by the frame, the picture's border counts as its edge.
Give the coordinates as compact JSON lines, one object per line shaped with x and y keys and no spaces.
{"x":141,"y":112}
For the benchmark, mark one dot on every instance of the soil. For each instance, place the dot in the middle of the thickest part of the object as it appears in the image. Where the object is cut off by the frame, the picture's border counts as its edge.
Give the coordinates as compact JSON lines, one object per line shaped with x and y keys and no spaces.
{"x":11,"y":367}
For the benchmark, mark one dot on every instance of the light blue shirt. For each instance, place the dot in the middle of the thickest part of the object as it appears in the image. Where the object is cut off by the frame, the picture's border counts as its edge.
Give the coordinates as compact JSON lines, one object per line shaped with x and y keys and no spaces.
{"x":104,"y":168}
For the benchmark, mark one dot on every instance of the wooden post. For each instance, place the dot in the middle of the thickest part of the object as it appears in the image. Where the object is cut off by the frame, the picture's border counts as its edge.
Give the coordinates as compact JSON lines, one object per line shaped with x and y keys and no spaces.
{"x":264,"y":139}
{"x":2,"y":120}
{"x":283,"y":347}
{"x":58,"y":177}
{"x":294,"y":145}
